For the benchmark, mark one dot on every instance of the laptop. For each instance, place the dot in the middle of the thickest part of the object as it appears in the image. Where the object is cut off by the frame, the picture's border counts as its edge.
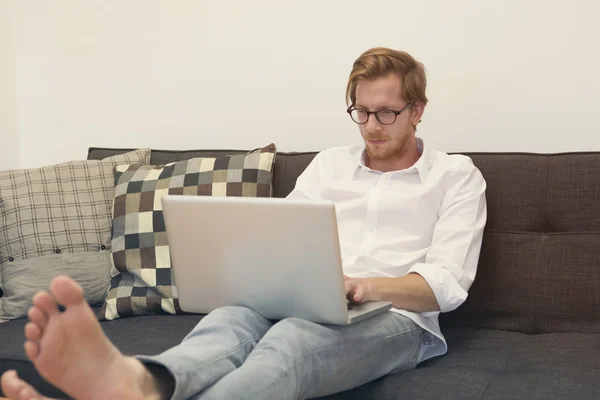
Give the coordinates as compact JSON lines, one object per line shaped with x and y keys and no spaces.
{"x":279,"y":257}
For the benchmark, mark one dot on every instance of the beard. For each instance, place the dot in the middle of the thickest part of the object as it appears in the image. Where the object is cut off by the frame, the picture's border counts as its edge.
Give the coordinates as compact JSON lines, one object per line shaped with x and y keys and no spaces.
{"x":391,"y":148}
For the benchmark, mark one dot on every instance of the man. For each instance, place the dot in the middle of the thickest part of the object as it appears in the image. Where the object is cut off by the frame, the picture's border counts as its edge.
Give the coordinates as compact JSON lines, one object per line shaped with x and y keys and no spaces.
{"x":410,"y":220}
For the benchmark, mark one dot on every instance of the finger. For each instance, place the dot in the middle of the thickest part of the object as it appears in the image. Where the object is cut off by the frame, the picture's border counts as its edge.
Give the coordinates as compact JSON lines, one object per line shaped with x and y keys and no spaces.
{"x":350,"y":287}
{"x":359,"y":294}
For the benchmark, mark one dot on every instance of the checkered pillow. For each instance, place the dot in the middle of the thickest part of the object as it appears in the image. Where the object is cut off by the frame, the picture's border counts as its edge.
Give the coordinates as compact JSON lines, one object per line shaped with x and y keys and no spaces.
{"x":57,"y":220}
{"x":141,"y":277}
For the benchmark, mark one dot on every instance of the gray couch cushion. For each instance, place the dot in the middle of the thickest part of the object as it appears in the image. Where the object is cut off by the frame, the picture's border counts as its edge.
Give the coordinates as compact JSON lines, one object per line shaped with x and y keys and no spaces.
{"x":551,"y":366}
{"x":493,"y":364}
{"x":475,"y":356}
{"x":572,"y":193}
{"x":516,"y":190}
{"x":539,"y":268}
{"x":501,"y":296}
{"x":481,"y":363}
{"x":147,"y":335}
{"x":160,"y":332}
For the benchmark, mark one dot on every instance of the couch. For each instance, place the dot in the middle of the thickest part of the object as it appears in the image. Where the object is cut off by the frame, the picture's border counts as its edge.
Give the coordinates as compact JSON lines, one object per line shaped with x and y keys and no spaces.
{"x":530,"y":328}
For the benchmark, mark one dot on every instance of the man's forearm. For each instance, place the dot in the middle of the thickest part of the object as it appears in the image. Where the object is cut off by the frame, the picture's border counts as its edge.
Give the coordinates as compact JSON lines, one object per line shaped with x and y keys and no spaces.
{"x":410,"y":292}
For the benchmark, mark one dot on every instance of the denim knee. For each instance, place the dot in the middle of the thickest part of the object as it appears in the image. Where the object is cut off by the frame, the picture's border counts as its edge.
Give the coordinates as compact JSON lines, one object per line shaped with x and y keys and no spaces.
{"x":235,"y":313}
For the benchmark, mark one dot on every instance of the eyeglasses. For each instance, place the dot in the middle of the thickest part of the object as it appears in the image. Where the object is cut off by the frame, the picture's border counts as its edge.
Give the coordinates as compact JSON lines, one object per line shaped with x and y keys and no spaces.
{"x":385,"y":116}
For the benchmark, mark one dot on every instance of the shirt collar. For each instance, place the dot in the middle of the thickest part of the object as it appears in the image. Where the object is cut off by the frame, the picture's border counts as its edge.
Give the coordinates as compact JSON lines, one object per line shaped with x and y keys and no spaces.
{"x":422,"y":166}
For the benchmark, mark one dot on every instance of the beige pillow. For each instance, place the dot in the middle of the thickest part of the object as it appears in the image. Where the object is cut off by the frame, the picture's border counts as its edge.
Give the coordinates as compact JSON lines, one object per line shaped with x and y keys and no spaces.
{"x":57,"y":220}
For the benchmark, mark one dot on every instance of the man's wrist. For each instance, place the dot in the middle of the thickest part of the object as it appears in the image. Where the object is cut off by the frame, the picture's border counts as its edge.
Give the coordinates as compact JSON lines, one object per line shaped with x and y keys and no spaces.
{"x":373,"y":290}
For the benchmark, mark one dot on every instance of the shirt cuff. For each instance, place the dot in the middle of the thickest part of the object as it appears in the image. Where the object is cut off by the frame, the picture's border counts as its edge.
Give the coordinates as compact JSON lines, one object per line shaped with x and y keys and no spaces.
{"x":448,"y":292}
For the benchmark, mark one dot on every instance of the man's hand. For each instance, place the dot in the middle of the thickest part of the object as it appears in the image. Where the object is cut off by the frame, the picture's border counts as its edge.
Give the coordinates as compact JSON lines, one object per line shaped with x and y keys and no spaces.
{"x":410,"y":292}
{"x":359,"y":290}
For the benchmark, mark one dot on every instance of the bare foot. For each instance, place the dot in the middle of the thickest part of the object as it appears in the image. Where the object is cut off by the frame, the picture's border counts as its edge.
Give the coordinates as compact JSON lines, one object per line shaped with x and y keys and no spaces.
{"x":69,"y":349}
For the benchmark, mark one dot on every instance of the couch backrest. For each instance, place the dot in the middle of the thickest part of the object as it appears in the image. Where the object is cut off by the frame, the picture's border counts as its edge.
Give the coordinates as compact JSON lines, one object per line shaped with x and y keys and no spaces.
{"x":539,"y":268}
{"x":288,"y":166}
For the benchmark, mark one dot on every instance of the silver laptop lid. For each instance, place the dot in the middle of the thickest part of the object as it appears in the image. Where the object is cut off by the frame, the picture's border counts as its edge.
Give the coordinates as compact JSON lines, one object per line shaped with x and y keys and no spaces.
{"x":279,"y":257}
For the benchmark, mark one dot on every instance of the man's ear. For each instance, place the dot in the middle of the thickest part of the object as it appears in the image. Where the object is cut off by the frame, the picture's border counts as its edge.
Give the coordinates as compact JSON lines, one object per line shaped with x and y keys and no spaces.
{"x":417,"y":112}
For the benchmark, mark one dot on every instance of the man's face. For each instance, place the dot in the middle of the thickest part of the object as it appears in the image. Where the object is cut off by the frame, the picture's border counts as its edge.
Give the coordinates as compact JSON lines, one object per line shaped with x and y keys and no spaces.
{"x":385,"y":142}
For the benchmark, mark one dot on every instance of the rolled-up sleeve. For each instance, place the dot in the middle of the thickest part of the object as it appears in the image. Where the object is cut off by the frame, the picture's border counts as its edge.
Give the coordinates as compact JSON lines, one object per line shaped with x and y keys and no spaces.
{"x":451,"y":262}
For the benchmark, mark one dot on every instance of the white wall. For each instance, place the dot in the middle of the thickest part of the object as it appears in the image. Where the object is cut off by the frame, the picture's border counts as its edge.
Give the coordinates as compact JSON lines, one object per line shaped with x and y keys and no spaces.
{"x":510,"y":75}
{"x":9,"y":138}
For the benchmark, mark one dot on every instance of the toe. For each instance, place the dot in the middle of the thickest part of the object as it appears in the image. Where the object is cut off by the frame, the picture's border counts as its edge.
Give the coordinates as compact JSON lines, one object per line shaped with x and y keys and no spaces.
{"x":32,"y":350}
{"x":11,"y":384}
{"x":44,"y":302}
{"x":66,"y":291}
{"x":33,"y":332}
{"x":25,"y":393}
{"x":28,"y":393}
{"x":38,"y":317}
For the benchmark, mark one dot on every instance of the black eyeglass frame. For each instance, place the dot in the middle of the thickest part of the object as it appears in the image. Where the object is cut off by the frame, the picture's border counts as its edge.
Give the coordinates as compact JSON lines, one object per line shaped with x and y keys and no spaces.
{"x":396,"y":113}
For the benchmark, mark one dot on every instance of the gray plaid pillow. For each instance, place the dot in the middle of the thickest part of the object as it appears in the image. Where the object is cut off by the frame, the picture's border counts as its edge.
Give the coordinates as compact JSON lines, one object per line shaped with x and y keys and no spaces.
{"x":57,"y":220}
{"x":141,"y":277}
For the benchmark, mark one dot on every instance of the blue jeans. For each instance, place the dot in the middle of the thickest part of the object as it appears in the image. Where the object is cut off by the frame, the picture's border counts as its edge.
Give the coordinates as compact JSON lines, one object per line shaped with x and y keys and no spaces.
{"x":235,"y":353}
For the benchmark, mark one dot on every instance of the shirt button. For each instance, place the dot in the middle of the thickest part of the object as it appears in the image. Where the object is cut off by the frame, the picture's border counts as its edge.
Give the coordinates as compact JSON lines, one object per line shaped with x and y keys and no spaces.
{"x":11,"y":259}
{"x":103,"y":247}
{"x":57,"y":251}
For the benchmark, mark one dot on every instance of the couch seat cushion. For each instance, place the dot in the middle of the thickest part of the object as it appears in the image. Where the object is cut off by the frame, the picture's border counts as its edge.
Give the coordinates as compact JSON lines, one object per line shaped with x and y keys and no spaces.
{"x":474,"y":357}
{"x":480,"y":364}
{"x":494,"y":364}
{"x":148,"y":335}
{"x":551,"y":366}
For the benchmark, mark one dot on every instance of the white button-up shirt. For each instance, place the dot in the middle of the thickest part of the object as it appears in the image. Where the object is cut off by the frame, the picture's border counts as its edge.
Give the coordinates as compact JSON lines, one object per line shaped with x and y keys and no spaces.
{"x":426,"y":219}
